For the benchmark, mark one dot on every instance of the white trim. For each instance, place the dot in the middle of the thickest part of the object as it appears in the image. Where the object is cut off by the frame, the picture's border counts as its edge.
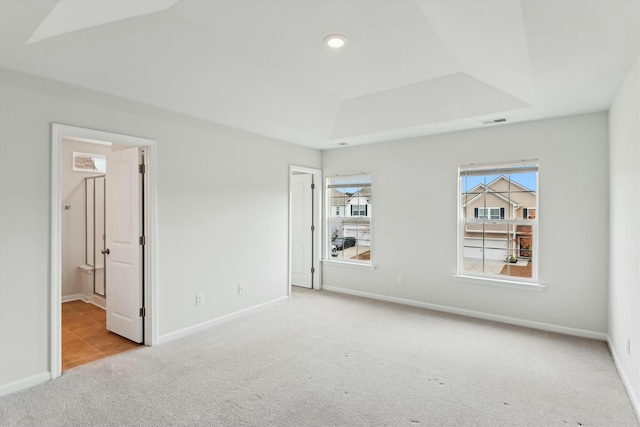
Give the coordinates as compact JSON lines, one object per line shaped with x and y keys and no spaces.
{"x":181,"y":333}
{"x":74,"y":297}
{"x":25,"y":383}
{"x":93,"y":299}
{"x":362,"y":265}
{"x":98,"y":301}
{"x":627,"y":384}
{"x":512,"y":284}
{"x":476,"y":314}
{"x":318,"y":220}
{"x":58,"y":133}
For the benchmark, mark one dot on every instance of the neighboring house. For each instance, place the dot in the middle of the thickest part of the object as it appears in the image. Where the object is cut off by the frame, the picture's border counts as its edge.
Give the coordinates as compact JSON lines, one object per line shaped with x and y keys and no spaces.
{"x":501,"y":199}
{"x":351,"y":215}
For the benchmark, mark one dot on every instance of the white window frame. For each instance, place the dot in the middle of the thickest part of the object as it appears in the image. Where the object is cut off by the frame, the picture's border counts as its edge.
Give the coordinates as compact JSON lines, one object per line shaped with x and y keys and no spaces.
{"x":346,"y":213}
{"x":504,"y":168}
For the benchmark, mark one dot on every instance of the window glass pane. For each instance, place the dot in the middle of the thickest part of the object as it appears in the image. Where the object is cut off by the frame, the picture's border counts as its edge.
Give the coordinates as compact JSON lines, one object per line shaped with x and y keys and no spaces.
{"x":349,"y":225}
{"x":494,"y":202}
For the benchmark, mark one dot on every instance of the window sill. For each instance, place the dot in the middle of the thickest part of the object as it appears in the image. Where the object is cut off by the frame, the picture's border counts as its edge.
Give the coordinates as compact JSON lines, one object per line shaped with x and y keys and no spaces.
{"x":349,"y":264}
{"x":511,"y":284}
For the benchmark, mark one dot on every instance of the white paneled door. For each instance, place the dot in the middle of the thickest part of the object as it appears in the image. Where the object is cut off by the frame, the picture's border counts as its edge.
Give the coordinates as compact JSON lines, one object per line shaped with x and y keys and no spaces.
{"x":301,"y":231}
{"x":124,"y":252}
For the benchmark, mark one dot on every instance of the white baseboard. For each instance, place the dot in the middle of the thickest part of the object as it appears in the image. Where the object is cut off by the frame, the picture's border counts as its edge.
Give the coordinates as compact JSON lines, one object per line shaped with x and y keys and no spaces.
{"x":75,"y":297}
{"x":93,"y":299}
{"x":209,"y":323}
{"x":98,"y":302}
{"x":24,"y":383}
{"x":627,"y":385}
{"x":476,"y":314}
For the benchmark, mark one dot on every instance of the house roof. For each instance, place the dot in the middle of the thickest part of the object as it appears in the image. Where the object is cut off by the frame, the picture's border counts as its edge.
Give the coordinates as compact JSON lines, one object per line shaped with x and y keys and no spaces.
{"x":481,"y":190}
{"x":409,"y":68}
{"x":363,"y":193}
{"x":339,"y":198}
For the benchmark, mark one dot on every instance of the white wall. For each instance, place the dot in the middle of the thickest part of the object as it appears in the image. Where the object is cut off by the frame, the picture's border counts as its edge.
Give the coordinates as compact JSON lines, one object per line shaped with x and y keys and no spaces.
{"x":73,"y":219}
{"x":420,"y":243}
{"x":624,"y":272}
{"x":222,"y":200}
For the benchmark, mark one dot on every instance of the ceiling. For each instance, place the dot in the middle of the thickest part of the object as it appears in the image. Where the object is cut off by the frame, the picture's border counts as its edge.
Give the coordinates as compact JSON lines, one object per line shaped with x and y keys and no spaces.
{"x":409,"y":68}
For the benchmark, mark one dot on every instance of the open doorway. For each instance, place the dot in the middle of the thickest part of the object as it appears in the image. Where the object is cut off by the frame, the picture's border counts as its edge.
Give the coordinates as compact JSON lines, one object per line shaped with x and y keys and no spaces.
{"x":103,"y":222}
{"x":304,"y":227}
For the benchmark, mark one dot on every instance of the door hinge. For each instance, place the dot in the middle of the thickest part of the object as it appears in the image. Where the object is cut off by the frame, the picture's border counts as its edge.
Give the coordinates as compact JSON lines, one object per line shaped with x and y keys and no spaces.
{"x":143,"y":311}
{"x":313,"y":228}
{"x":142,"y":240}
{"x":313,"y":270}
{"x":313,"y":186}
{"x":141,"y":168}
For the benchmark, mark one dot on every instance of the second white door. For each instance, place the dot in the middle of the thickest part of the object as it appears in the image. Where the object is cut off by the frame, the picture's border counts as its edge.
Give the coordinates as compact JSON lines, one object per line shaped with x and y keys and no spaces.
{"x":301,"y":230}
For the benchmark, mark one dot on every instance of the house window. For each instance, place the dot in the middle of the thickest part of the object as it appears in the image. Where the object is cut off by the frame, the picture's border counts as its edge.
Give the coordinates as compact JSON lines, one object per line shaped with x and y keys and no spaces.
{"x":358,"y":210}
{"x":498,"y":207}
{"x":488,"y":213}
{"x":349,"y":225}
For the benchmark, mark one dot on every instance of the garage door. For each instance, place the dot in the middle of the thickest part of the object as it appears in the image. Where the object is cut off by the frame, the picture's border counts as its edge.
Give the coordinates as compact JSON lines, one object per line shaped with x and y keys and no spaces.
{"x":493,"y":249}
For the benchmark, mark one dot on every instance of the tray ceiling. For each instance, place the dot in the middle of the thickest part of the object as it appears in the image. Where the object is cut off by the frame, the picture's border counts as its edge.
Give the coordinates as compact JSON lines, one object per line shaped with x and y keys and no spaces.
{"x":409,"y":68}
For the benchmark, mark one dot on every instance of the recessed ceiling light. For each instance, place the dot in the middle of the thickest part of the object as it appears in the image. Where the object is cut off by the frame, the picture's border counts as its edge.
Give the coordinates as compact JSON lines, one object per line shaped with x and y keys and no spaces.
{"x":335,"y":41}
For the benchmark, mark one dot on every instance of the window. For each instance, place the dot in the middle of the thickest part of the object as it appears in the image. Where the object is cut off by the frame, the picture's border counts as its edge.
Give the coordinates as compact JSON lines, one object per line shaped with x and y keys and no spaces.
{"x":85,"y":162}
{"x":349,"y":223}
{"x":488,"y":213}
{"x":358,"y":210}
{"x":498,"y":207}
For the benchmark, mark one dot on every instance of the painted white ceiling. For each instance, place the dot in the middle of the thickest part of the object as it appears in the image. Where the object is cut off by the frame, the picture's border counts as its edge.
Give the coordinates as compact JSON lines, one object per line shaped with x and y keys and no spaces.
{"x":410,"y":67}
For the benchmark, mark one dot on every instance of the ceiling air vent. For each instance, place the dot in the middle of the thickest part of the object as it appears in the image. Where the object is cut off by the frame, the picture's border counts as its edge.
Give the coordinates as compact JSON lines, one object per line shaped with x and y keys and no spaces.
{"x":495,"y":121}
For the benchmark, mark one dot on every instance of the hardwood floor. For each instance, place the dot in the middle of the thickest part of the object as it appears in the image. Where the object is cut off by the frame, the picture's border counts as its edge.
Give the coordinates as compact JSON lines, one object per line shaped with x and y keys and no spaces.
{"x":85,"y":337}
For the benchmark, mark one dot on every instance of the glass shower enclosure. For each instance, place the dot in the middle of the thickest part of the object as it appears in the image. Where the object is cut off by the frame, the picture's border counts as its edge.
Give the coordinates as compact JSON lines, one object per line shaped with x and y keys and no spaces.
{"x":95,"y":208}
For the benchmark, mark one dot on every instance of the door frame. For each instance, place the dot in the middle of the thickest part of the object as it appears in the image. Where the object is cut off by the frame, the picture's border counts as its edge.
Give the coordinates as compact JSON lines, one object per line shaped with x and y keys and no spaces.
{"x":58,"y":133}
{"x":317,"y":221}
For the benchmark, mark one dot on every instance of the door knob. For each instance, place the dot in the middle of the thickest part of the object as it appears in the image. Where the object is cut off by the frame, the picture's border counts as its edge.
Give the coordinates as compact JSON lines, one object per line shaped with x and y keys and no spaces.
{"x":105,"y":251}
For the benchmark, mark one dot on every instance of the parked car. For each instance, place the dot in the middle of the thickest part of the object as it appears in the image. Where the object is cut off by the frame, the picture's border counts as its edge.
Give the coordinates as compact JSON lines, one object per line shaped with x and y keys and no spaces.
{"x":342,"y":243}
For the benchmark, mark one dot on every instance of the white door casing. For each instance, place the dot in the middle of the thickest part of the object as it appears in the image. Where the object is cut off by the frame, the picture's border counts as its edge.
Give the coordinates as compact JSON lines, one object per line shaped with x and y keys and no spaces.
{"x":301,"y":232}
{"x":58,"y":133}
{"x":124,"y":258}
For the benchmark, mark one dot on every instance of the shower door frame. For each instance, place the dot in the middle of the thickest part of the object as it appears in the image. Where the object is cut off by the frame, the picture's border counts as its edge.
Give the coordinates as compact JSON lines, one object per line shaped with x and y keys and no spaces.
{"x":86,"y":232}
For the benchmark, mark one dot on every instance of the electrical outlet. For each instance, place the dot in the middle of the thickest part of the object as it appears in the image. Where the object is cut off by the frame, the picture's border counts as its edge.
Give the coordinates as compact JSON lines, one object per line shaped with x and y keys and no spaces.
{"x":629,"y":346}
{"x":199,"y":299}
{"x":400,"y":279}
{"x":241,"y":289}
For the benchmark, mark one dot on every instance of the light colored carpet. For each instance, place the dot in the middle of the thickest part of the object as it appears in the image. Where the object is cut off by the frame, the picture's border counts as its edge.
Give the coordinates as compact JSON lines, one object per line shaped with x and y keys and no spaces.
{"x":325,"y":359}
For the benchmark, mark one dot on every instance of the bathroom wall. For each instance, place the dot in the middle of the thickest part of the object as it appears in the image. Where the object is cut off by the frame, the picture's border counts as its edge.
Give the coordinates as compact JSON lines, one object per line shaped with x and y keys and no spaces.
{"x":73,"y":220}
